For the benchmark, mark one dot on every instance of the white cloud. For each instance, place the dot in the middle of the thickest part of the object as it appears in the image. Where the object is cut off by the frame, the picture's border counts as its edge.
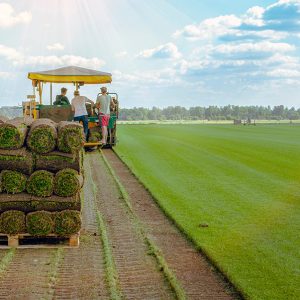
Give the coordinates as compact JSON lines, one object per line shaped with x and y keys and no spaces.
{"x":210,"y":28}
{"x":56,"y":47}
{"x":284,"y":73}
{"x":19,"y":59}
{"x":254,"y":47}
{"x":166,"y":51}
{"x":9,"y":18}
{"x":5,"y":75}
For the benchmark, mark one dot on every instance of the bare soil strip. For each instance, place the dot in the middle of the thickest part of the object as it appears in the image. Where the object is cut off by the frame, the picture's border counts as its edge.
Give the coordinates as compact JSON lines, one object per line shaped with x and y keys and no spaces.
{"x":138,"y":275}
{"x":194,"y":273}
{"x":81,"y":274}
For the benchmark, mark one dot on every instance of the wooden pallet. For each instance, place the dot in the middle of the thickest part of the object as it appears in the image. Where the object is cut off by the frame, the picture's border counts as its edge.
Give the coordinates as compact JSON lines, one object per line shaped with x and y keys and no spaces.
{"x":26,"y":240}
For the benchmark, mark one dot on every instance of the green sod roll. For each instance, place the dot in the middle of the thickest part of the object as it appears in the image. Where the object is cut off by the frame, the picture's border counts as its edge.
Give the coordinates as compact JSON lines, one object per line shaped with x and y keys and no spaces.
{"x":67,"y":183}
{"x":70,"y":136}
{"x":13,"y":134}
{"x":17,"y":160}
{"x":13,"y":182}
{"x":40,"y":183}
{"x":56,"y":161}
{"x":67,"y":222}
{"x":40,"y":223}
{"x":12,"y":222}
{"x":42,"y":136}
{"x":95,"y":134}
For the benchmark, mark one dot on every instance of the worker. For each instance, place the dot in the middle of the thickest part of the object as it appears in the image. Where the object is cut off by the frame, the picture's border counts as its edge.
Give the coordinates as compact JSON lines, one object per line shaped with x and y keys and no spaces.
{"x":80,"y":112}
{"x":62,"y":98}
{"x":103,"y":104}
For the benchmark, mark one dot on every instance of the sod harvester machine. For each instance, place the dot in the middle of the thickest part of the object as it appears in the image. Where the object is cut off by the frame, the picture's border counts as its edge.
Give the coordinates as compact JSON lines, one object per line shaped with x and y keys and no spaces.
{"x":78,"y":77}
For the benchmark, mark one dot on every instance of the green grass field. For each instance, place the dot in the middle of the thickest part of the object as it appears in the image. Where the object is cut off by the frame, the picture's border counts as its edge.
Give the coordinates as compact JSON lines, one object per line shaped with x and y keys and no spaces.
{"x":243,"y":181}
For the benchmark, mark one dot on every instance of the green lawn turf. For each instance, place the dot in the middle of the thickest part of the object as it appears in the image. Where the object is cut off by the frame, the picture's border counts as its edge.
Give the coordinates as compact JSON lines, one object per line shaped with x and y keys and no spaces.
{"x":243,"y":181}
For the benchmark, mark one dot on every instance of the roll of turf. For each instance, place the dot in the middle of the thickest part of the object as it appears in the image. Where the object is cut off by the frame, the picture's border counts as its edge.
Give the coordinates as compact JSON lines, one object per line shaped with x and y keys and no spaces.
{"x":13,"y":134}
{"x":17,"y":160}
{"x":12,"y":182}
{"x":70,"y":136}
{"x":40,"y":183}
{"x":67,"y":222}
{"x":40,"y":223}
{"x":42,"y":136}
{"x":67,"y":183}
{"x":56,"y":161}
{"x":29,"y":203}
{"x":12,"y":222}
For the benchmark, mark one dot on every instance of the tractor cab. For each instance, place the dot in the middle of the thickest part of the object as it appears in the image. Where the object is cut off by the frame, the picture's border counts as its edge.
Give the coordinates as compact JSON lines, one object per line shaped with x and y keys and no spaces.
{"x":78,"y":77}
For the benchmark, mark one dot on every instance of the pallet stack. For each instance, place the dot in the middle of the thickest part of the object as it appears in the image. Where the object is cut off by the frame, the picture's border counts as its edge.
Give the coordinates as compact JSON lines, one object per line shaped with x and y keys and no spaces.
{"x":40,"y":180}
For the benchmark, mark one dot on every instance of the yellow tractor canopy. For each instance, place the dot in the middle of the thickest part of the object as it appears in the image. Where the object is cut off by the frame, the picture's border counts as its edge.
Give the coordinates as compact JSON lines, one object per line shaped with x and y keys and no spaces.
{"x":71,"y":75}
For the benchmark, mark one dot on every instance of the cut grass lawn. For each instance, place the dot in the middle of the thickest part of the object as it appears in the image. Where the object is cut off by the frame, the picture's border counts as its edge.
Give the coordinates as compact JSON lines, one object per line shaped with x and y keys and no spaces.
{"x":242,"y":181}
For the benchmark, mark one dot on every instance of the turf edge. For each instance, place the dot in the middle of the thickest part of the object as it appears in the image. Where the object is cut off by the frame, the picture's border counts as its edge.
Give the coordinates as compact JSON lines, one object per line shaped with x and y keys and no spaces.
{"x":229,"y":285}
{"x":6,"y":260}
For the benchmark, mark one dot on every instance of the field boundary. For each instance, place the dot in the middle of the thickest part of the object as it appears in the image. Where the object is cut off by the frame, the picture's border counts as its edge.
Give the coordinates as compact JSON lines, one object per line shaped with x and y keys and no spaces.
{"x":216,"y":268}
{"x":155,"y":251}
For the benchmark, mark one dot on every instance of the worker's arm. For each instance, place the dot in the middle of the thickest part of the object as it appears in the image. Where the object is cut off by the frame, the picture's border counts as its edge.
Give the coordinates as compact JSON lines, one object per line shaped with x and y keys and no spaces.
{"x":73,"y":107}
{"x":89,"y":101}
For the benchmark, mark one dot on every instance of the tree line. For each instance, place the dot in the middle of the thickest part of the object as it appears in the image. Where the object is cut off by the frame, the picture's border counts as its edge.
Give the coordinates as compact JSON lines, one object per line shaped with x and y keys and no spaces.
{"x":228,"y":112}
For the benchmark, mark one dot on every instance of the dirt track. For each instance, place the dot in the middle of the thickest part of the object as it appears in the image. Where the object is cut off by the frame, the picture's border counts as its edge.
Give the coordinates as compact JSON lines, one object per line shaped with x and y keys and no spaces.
{"x":128,"y":250}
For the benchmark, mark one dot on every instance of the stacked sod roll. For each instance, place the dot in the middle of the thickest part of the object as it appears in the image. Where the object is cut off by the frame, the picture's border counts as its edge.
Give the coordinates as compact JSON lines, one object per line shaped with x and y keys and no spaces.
{"x":41,"y":177}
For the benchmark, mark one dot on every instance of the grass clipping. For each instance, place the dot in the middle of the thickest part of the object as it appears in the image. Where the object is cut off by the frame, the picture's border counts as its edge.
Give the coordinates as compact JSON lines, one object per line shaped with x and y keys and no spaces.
{"x":67,"y":183}
{"x":40,"y":223}
{"x":12,"y":182}
{"x":40,"y":183}
{"x":12,"y":222}
{"x":67,"y":222}
{"x":13,"y":134}
{"x":70,"y":137}
{"x":42,"y":137}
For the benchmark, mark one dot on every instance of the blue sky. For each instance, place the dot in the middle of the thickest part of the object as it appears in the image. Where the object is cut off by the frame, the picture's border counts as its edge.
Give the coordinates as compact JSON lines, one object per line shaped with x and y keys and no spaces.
{"x":160,"y":52}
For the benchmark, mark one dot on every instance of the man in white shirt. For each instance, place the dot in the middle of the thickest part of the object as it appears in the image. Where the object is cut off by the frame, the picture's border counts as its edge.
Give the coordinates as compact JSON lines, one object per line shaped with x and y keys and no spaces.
{"x":103,"y":104}
{"x":80,"y":112}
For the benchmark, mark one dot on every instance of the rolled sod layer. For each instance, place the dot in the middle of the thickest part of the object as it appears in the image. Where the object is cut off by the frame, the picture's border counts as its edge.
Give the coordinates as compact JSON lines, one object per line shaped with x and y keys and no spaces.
{"x":12,"y":222}
{"x":67,"y":222}
{"x":42,"y":137}
{"x":40,"y":223}
{"x":13,"y":134}
{"x":18,"y":160}
{"x":67,"y":183}
{"x":56,"y":161}
{"x":40,"y":183}
{"x":12,"y":182}
{"x":29,"y":203}
{"x":3,"y":119}
{"x":70,"y":136}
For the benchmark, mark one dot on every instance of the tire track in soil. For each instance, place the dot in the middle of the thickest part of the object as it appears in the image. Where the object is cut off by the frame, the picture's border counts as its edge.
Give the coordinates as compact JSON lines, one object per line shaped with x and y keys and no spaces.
{"x":81,"y":274}
{"x":139,"y":277}
{"x":195,"y":274}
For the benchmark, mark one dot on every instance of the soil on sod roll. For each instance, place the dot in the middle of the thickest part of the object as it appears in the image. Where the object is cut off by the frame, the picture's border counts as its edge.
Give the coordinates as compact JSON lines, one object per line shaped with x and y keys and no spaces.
{"x":17,"y":160}
{"x":13,"y":134}
{"x":70,"y":136}
{"x":3,"y":119}
{"x":12,"y":222}
{"x":67,"y":222}
{"x":56,"y":161}
{"x":42,"y":137}
{"x":40,"y":223}
{"x":29,"y":203}
{"x":40,"y":183}
{"x":12,"y":182}
{"x":67,"y":182}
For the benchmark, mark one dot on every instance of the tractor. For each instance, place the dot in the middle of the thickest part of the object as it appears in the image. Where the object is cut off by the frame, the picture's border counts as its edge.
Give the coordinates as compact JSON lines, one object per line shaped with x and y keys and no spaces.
{"x":78,"y":77}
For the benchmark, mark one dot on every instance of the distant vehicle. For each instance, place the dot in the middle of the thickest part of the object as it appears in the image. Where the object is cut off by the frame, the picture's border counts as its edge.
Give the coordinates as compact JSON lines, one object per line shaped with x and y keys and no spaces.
{"x":78,"y":77}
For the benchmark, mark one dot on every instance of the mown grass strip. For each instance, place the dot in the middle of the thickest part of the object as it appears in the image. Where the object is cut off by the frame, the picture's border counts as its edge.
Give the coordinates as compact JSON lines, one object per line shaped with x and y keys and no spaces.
{"x":111,"y":271}
{"x":163,"y":265}
{"x":6,"y":260}
{"x":54,"y":264}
